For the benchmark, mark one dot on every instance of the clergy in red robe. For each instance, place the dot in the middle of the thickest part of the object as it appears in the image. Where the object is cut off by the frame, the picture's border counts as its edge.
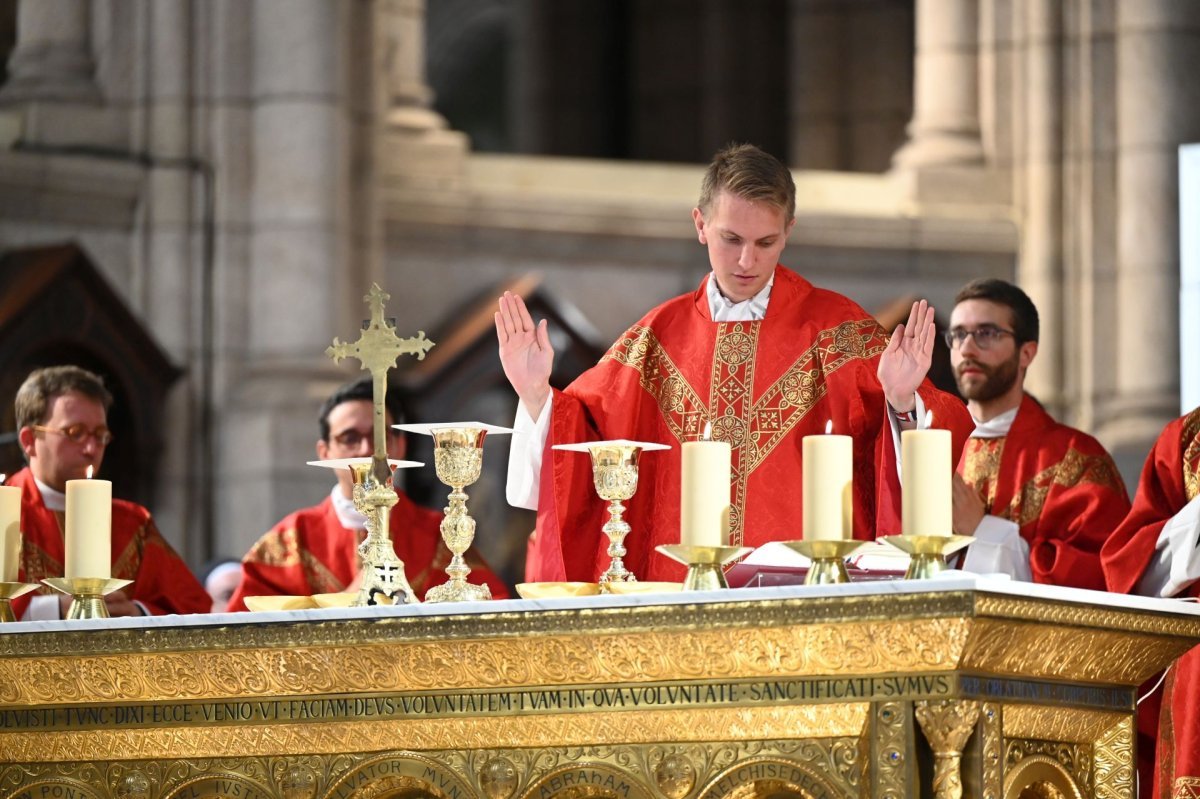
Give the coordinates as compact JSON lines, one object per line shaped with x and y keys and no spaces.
{"x":758,"y":353}
{"x":315,"y":550}
{"x":61,"y":415}
{"x":1039,"y":497}
{"x":1156,"y":552}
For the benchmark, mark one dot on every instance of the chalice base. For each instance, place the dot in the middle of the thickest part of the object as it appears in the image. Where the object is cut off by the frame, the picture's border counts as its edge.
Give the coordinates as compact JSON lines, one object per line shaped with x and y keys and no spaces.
{"x":927,"y":553}
{"x":87,"y":594}
{"x":9,"y":592}
{"x":828,"y":559}
{"x":458,"y":591}
{"x":704,"y":564}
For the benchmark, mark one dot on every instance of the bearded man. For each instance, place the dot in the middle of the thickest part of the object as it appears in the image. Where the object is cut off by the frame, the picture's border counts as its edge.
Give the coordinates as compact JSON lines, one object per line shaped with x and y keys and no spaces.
{"x":1039,"y":497}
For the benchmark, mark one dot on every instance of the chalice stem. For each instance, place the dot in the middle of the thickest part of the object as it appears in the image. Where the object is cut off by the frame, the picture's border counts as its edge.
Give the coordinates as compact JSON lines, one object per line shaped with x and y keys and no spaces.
{"x":616,"y":528}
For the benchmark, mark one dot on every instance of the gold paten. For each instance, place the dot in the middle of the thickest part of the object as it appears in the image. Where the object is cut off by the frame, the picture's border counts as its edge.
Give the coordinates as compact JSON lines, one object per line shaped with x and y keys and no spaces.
{"x":377,"y":350}
{"x":458,"y":460}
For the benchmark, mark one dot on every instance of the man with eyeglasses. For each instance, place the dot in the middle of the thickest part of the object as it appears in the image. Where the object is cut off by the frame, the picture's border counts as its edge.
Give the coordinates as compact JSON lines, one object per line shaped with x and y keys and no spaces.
{"x":1039,"y":497}
{"x":61,"y":415}
{"x":315,"y":550}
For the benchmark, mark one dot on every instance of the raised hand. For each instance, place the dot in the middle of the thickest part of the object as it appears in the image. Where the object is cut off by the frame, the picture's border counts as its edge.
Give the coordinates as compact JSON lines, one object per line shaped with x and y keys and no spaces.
{"x":525,"y":352}
{"x":968,"y":507}
{"x":905,"y":362}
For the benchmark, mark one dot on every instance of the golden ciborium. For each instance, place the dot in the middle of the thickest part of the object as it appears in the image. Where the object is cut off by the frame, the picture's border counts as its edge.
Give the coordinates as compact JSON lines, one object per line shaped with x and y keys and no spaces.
{"x":458,"y":461}
{"x":615,"y":475}
{"x":382,"y":572}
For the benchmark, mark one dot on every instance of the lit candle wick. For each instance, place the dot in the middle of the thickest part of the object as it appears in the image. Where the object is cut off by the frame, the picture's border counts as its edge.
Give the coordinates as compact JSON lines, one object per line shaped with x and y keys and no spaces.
{"x":829,"y":427}
{"x":928,"y":419}
{"x":89,"y":473}
{"x":707,"y":434}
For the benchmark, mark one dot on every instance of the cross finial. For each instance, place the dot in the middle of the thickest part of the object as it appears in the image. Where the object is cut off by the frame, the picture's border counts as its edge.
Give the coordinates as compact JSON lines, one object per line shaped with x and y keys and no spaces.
{"x":377,"y":350}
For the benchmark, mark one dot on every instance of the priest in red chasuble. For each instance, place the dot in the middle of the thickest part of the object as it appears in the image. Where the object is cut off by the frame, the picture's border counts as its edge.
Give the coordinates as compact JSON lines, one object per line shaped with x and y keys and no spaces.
{"x":758,"y":353}
{"x":1040,"y":498}
{"x":62,"y":419}
{"x":1156,"y":552}
{"x":315,"y":550}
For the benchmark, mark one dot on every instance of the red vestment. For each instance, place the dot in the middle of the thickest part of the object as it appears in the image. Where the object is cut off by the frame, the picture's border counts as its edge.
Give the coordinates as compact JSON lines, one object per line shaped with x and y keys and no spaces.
{"x":763,"y":385}
{"x":162,"y":582}
{"x":1060,"y":487}
{"x":310,"y":552}
{"x":1170,"y":479}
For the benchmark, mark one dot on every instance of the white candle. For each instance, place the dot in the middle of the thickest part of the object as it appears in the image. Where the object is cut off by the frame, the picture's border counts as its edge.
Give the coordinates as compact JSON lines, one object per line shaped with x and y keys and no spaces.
{"x":704,"y":506}
{"x":89,"y":528}
{"x":828,"y":488}
{"x":925,"y":466}
{"x":10,"y":533}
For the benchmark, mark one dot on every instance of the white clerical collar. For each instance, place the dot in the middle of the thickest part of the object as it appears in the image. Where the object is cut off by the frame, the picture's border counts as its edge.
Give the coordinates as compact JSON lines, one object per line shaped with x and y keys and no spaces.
{"x":997,"y":426}
{"x":53,"y":500}
{"x":347,"y":514}
{"x":724,"y":309}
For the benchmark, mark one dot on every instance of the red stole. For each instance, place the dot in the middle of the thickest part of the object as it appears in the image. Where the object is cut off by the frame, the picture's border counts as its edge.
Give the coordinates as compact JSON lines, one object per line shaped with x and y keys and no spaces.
{"x":1170,"y":479}
{"x":161,"y":580}
{"x":1061,"y":488}
{"x":763,"y":386}
{"x":310,"y":552}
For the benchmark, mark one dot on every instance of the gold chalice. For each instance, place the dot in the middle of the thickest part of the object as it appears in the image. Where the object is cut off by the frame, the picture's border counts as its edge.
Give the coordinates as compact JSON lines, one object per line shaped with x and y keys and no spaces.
{"x":458,"y":460}
{"x":615,"y":475}
{"x":382,"y":573}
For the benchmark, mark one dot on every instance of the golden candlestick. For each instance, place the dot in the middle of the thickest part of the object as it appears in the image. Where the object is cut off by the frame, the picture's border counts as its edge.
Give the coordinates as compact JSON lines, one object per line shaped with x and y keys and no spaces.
{"x":9,"y":592}
{"x":828,"y":558}
{"x":927,"y":553}
{"x":377,"y":350}
{"x":87,"y":594}
{"x":615,"y":475}
{"x":704,"y":564}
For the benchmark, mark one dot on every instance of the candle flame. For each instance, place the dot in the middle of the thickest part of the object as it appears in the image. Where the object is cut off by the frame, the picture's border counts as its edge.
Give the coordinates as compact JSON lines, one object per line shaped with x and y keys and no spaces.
{"x":928,"y":419}
{"x":89,"y":473}
{"x":3,"y":478}
{"x":707,"y":434}
{"x":829,"y":427}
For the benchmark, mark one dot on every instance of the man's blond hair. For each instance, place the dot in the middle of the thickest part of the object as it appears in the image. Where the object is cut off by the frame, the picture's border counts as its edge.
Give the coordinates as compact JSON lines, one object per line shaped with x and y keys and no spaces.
{"x":752,"y":174}
{"x":32,"y":405}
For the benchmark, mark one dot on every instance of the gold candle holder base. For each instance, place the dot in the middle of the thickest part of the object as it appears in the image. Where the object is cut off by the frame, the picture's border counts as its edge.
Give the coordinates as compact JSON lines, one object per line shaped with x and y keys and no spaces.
{"x":9,"y":592}
{"x":927,"y":553}
{"x":704,"y":564}
{"x":828,"y":559}
{"x":87,"y":594}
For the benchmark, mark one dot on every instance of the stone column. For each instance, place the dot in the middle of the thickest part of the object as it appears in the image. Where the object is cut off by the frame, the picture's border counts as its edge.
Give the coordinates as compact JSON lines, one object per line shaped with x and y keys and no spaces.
{"x":945,"y":126}
{"x":1158,"y":56}
{"x":419,"y":152}
{"x":1040,"y":269}
{"x":53,"y":58}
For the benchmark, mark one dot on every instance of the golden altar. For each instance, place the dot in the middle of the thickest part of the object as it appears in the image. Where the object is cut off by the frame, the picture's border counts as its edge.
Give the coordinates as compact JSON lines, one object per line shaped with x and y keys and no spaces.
{"x":891,"y":689}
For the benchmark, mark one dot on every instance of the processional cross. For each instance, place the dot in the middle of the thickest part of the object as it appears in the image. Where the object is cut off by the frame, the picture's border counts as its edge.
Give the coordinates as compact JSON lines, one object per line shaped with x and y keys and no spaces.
{"x":377,"y":350}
